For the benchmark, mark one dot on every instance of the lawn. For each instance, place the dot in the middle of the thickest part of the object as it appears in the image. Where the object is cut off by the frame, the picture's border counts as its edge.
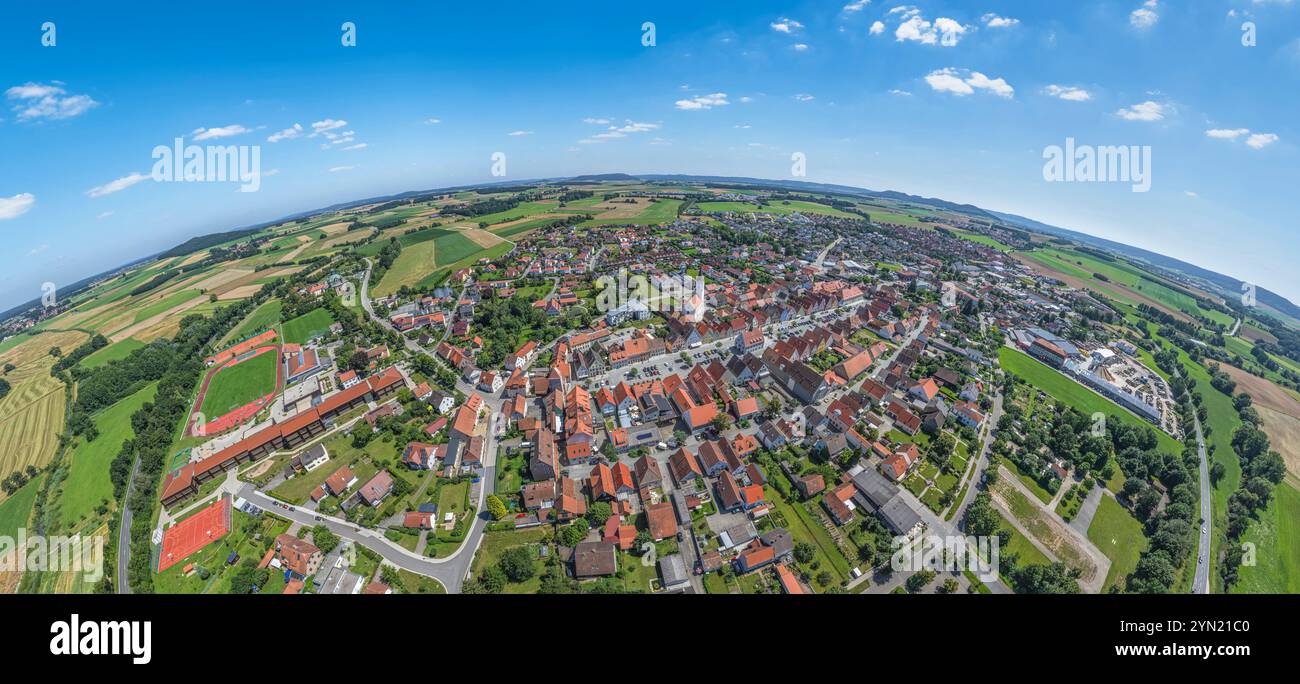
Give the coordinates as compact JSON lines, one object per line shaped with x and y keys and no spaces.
{"x":298,"y":488}
{"x":495,"y":543}
{"x":1119,"y":535}
{"x":239,"y":384}
{"x":307,"y":326}
{"x":1073,"y":394}
{"x":418,"y":584}
{"x":15,"y":510}
{"x":804,"y":528}
{"x":88,"y":480}
{"x":1277,"y":540}
{"x":113,"y":352}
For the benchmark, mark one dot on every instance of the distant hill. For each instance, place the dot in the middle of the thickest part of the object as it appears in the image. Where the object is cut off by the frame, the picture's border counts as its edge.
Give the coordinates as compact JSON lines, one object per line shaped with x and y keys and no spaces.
{"x":195,"y":244}
{"x":1228,"y":285}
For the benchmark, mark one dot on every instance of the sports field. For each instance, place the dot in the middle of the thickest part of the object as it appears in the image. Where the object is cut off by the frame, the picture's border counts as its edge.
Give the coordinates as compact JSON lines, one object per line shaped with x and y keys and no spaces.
{"x":1074,"y":394}
{"x":307,"y":326}
{"x":234,"y":386}
{"x":88,"y":481}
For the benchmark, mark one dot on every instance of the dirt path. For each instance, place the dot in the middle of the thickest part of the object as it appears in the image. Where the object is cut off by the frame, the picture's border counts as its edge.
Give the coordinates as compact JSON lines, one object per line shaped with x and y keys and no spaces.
{"x":1053,"y":533}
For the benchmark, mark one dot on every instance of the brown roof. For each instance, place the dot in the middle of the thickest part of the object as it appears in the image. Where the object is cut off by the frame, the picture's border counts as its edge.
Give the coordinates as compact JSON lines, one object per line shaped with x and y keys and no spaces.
{"x":661,"y":519}
{"x":593,"y":559}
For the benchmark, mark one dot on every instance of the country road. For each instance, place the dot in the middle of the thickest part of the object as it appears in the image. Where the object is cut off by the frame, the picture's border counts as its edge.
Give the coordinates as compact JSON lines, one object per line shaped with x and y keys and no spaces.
{"x":1201,"y":583}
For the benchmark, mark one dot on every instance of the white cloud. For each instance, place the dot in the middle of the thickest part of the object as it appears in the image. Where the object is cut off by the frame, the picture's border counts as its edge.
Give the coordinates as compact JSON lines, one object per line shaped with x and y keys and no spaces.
{"x":324,"y":127}
{"x":1227,"y":133}
{"x":336,"y":169}
{"x":37,"y":250}
{"x":358,"y":146}
{"x":47,"y":101}
{"x":877,"y":28}
{"x":1145,"y":16}
{"x":1143,"y":111}
{"x":516,"y":134}
{"x":287,"y":134}
{"x":803,"y":97}
{"x":800,"y":46}
{"x":598,"y":121}
{"x":856,"y":5}
{"x":960,"y":83}
{"x":117,"y":185}
{"x":106,"y":214}
{"x":784,"y":25}
{"x":745,"y":99}
{"x":944,"y":31}
{"x":742,"y":126}
{"x":218,"y":132}
{"x":1190,"y":193}
{"x":992,"y":20}
{"x":13,"y":207}
{"x":616,"y":132}
{"x":900,"y":93}
{"x":1259,"y":141}
{"x":432,"y":121}
{"x":705,"y":101}
{"x":1070,"y":93}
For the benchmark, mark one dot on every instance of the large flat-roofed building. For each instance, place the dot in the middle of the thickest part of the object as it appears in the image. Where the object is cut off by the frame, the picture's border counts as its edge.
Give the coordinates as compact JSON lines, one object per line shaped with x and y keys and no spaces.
{"x":184,"y":482}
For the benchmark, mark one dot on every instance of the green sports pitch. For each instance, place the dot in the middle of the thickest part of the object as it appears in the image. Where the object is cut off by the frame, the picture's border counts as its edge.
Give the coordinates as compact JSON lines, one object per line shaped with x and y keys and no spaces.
{"x":234,"y":386}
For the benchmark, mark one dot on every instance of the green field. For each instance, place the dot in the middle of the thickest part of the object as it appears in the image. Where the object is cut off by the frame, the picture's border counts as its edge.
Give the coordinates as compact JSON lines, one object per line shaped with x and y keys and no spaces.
{"x":261,"y":318}
{"x":113,"y":352}
{"x":453,"y":247}
{"x":496,"y":543}
{"x":15,"y":510}
{"x":307,"y":326}
{"x":1072,"y":393}
{"x":1277,"y":540}
{"x":663,"y":211}
{"x":157,"y":306}
{"x":1119,"y":273}
{"x":88,"y":481}
{"x":239,"y":384}
{"x":1118,"y":535}
{"x":411,"y":266}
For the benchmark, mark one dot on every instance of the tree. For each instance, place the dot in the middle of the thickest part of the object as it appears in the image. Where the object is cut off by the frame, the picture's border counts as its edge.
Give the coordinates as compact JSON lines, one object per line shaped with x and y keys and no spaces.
{"x":598,"y":513}
{"x":358,"y":361}
{"x":517,"y":564}
{"x":574,"y":532}
{"x":496,"y":507}
{"x":324,"y":539}
{"x":804,"y":552}
{"x":920,"y":580}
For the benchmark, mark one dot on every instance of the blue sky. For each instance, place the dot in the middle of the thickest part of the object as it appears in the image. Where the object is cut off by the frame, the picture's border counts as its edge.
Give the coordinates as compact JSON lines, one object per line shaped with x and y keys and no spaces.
{"x":956,"y":100}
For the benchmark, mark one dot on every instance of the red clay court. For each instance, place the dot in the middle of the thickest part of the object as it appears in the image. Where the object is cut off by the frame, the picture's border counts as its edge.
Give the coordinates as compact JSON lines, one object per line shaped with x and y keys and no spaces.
{"x":194,"y":533}
{"x":236,"y":416}
{"x":221,"y":357}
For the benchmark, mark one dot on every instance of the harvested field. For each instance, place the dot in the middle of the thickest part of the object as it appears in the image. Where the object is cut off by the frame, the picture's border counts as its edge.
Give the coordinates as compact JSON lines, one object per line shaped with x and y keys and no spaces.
{"x":1264,"y":392}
